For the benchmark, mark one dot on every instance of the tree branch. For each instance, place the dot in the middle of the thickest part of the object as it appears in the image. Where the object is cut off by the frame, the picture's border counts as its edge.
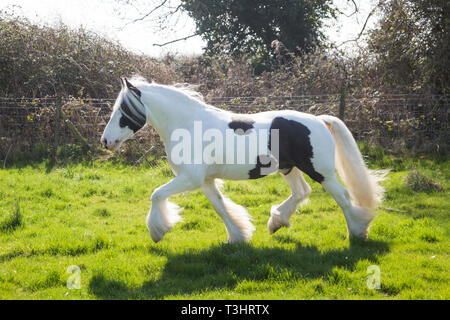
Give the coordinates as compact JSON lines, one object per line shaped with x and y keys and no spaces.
{"x":176,"y":40}
{"x":363,"y":28}
{"x":147,"y":14}
{"x":351,"y":14}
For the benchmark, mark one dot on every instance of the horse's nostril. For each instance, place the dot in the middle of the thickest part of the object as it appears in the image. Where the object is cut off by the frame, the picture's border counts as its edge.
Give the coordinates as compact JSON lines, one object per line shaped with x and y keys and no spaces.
{"x":105,"y":142}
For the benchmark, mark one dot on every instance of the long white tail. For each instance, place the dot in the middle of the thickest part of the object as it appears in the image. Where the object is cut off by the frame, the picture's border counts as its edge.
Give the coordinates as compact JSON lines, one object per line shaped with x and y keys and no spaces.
{"x":363,"y":184}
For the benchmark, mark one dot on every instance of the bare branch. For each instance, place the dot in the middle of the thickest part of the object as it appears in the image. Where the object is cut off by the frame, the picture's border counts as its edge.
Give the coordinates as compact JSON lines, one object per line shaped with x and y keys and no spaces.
{"x":176,"y":40}
{"x":176,"y":8}
{"x":356,"y":7}
{"x":363,"y":28}
{"x":351,"y":14}
{"x":147,"y":14}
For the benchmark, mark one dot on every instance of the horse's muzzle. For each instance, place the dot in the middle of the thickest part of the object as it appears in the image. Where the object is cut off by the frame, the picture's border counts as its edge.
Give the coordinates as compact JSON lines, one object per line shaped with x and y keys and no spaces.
{"x":108,"y":145}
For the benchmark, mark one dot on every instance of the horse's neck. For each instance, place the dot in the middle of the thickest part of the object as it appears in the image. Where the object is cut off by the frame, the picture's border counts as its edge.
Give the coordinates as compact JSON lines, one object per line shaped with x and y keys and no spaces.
{"x":168,"y":110}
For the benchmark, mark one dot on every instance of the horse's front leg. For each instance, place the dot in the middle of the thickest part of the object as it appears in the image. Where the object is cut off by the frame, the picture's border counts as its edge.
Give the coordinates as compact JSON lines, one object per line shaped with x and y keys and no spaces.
{"x":164,"y":214}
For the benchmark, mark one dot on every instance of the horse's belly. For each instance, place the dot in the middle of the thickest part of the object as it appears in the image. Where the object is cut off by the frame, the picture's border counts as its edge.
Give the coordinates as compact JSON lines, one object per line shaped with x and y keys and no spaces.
{"x":241,"y":171}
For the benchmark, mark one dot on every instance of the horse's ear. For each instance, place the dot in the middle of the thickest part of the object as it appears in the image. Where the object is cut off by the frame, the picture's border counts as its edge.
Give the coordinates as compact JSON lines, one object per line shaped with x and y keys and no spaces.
{"x":128,"y":84}
{"x":122,"y":82}
{"x":131,"y":87}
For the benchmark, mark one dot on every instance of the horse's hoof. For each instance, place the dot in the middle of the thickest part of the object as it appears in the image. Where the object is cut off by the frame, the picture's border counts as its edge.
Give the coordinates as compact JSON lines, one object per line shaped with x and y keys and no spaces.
{"x":156,"y":233}
{"x":275,"y":229}
{"x":155,"y":238}
{"x":275,"y":223}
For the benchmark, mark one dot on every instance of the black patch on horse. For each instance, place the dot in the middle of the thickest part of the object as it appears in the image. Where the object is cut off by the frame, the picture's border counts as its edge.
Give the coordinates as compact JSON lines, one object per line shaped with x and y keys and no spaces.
{"x":295,"y":147}
{"x":125,"y":122}
{"x":241,"y":125}
{"x":135,"y":123}
{"x":285,"y":171}
{"x":262,"y":161}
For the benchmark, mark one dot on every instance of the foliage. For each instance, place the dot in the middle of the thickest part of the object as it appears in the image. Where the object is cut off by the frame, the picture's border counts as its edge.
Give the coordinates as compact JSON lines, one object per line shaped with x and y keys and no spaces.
{"x":412,"y":45}
{"x":233,"y":26}
{"x":36,"y":61}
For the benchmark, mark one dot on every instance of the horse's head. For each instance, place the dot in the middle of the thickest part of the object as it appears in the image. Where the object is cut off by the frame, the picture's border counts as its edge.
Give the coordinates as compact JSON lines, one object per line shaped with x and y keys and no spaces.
{"x":127,"y":118}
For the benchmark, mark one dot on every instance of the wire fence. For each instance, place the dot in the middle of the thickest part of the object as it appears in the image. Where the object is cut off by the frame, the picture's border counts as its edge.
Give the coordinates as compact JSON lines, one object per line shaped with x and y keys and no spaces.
{"x":393,"y":120}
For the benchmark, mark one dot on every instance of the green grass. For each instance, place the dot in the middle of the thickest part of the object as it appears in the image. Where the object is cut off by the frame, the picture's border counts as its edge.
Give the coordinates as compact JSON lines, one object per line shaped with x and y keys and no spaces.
{"x":92,"y":215}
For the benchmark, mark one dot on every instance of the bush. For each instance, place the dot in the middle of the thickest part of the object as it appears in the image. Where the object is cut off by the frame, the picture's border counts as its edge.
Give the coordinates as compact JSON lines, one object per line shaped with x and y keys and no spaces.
{"x":40,"y":61}
{"x":419,"y":182}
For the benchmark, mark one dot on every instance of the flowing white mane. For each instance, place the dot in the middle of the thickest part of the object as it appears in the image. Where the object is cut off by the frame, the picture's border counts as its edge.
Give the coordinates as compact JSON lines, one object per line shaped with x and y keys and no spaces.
{"x":187,"y":88}
{"x":190,"y":90}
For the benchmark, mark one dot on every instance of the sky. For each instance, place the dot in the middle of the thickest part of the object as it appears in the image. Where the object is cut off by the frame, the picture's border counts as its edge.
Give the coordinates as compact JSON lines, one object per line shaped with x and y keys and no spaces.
{"x":115,"y":19}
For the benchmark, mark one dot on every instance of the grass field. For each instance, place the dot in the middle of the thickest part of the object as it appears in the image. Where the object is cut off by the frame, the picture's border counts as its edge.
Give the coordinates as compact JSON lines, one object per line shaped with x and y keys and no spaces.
{"x":92,"y":215}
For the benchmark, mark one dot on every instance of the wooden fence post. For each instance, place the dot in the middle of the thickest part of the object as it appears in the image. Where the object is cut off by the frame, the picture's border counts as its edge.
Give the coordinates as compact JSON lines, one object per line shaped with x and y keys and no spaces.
{"x":342,"y":103}
{"x":58,"y":106}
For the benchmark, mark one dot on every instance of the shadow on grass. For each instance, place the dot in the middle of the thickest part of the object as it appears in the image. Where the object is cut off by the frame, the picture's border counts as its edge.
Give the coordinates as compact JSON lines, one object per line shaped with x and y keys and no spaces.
{"x":224,"y":266}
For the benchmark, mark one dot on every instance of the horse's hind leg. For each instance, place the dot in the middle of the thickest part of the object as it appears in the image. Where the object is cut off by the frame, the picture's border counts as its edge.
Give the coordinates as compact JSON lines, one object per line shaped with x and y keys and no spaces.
{"x":235,"y":217}
{"x":279,"y":215}
{"x":358,"y":219}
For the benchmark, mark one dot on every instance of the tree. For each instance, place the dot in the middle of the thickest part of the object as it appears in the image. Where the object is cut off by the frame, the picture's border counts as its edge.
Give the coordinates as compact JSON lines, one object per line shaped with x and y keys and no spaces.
{"x":412,"y":44}
{"x":235,"y":26}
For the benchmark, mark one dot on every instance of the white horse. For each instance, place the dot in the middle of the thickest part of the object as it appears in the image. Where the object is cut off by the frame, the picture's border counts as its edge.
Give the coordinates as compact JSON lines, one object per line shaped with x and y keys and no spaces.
{"x":295,"y":142}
